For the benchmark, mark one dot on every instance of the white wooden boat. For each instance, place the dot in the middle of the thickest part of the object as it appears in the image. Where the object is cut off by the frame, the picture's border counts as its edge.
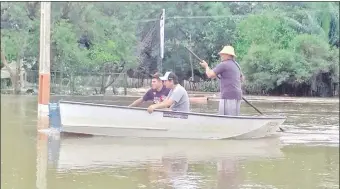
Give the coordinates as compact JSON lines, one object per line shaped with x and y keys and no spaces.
{"x":110,"y":152}
{"x":112,"y":120}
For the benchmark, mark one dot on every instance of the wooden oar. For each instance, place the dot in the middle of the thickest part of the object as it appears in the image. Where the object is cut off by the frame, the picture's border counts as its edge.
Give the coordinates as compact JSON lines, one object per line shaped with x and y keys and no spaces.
{"x":220,"y":78}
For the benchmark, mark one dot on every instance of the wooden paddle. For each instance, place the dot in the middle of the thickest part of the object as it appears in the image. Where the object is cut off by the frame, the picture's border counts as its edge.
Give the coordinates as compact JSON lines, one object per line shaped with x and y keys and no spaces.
{"x":198,"y":58}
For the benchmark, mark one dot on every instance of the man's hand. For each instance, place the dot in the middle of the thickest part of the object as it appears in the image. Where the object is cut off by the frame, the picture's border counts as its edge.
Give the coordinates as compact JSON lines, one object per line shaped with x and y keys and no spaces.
{"x":243,"y":79}
{"x":204,"y":64}
{"x":165,"y":104}
{"x":151,"y":108}
{"x":136,"y":102}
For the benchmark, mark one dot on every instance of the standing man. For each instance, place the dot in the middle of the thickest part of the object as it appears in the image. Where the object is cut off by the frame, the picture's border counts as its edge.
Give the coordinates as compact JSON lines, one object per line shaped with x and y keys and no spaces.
{"x":178,"y":98}
{"x":230,"y":77}
{"x":157,"y":93}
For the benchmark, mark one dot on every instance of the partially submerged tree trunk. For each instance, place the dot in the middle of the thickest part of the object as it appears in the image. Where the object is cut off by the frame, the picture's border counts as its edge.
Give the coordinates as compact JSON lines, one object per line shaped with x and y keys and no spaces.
{"x":114,"y":74}
{"x":17,"y":84}
{"x":14,"y":74}
{"x":109,"y":81}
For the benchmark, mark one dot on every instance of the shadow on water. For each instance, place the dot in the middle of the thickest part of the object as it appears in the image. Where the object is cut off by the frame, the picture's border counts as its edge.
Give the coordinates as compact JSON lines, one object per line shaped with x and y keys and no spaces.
{"x":48,"y":160}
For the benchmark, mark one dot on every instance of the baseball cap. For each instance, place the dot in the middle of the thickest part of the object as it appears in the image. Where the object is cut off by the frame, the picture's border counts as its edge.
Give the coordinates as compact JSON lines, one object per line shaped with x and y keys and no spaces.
{"x":168,"y":76}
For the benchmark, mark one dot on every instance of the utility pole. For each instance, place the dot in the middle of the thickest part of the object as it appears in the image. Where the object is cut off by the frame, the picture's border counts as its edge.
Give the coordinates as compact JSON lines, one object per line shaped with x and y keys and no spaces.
{"x":44,"y":60}
{"x":161,"y":43}
{"x":44,"y":93}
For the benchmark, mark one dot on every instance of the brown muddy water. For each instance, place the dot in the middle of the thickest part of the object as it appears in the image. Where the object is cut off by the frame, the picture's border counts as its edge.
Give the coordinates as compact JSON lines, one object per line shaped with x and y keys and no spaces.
{"x":305,"y":156}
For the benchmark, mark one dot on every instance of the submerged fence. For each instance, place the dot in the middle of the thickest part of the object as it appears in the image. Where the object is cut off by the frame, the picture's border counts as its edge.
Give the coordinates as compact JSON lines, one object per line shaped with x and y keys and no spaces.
{"x":92,"y":83}
{"x":95,"y":83}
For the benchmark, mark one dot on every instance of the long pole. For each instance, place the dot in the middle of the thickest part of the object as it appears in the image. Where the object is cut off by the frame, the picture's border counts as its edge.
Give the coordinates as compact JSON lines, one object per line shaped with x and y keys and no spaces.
{"x":190,"y":59}
{"x":44,"y":59}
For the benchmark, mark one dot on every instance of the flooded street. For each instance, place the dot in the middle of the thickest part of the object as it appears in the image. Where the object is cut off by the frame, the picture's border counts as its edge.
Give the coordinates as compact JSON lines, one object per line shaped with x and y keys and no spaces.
{"x":305,"y":156}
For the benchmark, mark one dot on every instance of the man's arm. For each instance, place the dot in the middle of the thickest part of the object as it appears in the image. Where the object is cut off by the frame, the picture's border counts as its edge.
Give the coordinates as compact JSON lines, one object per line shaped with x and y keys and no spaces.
{"x":137,"y":102}
{"x":243,"y":78}
{"x":147,"y":96}
{"x":165,"y":104}
{"x":210,"y":73}
{"x":175,"y":96}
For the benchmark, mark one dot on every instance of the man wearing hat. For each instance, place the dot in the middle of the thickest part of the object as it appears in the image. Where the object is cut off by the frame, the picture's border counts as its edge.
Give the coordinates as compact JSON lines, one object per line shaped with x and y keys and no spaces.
{"x":229,"y":73}
{"x":177,"y":99}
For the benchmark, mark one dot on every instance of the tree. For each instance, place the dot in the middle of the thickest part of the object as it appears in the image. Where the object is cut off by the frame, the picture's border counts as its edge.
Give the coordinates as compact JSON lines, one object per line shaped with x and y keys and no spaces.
{"x":17,"y":23}
{"x":280,"y":45}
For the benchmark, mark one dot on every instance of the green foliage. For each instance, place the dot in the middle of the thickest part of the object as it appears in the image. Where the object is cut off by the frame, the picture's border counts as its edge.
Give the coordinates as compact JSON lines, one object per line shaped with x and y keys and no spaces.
{"x":276,"y":42}
{"x":314,"y":50}
{"x":15,"y":38}
{"x":306,"y":56}
{"x":65,"y":46}
{"x":266,"y":29}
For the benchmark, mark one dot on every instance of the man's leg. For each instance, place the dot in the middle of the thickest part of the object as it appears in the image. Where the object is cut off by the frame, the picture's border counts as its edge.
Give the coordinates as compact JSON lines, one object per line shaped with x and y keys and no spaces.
{"x":221,"y":107}
{"x":224,"y":107}
{"x":238,"y":107}
{"x":229,"y":107}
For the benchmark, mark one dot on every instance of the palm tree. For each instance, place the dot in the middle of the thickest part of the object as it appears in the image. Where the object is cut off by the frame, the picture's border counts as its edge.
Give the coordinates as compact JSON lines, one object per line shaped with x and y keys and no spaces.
{"x":322,"y":19}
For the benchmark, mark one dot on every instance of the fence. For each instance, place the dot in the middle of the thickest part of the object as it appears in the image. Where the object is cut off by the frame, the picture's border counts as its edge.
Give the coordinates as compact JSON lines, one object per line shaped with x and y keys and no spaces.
{"x":85,"y":83}
{"x":91,"y":83}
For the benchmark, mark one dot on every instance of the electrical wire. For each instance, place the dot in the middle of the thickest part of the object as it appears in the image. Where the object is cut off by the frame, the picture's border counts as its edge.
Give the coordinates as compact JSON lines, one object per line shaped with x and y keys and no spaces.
{"x":224,"y":16}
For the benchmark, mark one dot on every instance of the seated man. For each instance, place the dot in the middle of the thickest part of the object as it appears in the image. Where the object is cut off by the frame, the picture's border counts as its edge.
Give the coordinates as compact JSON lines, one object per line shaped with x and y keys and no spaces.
{"x":178,"y":98}
{"x":157,"y":93}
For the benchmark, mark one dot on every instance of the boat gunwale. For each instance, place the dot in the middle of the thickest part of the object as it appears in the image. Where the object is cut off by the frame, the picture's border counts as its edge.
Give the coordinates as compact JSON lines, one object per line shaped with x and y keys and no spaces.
{"x":167,"y":111}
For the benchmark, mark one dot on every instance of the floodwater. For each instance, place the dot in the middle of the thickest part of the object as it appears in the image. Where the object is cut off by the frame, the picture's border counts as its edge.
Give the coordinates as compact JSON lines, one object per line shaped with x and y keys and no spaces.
{"x":305,"y":156}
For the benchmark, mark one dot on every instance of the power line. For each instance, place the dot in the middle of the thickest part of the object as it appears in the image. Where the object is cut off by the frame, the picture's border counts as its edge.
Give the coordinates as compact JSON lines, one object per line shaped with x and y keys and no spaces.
{"x":224,"y":16}
{"x":193,"y":17}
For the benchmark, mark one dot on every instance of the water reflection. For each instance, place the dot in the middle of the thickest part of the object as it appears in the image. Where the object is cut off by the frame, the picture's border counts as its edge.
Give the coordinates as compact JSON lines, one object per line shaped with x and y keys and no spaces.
{"x":168,"y":160}
{"x":96,"y":152}
{"x":42,"y":154}
{"x":103,"y":162}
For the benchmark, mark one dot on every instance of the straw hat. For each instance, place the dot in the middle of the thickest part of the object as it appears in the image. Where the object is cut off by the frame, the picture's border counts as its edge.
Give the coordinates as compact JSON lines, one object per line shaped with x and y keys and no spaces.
{"x":228,"y":50}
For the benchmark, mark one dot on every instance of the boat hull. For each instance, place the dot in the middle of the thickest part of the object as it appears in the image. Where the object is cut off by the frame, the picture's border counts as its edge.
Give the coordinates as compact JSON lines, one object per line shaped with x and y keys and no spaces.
{"x":120,"y":121}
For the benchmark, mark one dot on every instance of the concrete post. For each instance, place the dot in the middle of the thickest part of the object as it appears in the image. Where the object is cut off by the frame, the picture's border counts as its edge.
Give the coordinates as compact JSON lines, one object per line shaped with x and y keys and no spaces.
{"x":44,"y":60}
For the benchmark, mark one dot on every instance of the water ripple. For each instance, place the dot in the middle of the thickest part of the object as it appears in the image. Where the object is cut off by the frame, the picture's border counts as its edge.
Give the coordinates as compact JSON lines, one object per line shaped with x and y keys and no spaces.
{"x":311,"y":135}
